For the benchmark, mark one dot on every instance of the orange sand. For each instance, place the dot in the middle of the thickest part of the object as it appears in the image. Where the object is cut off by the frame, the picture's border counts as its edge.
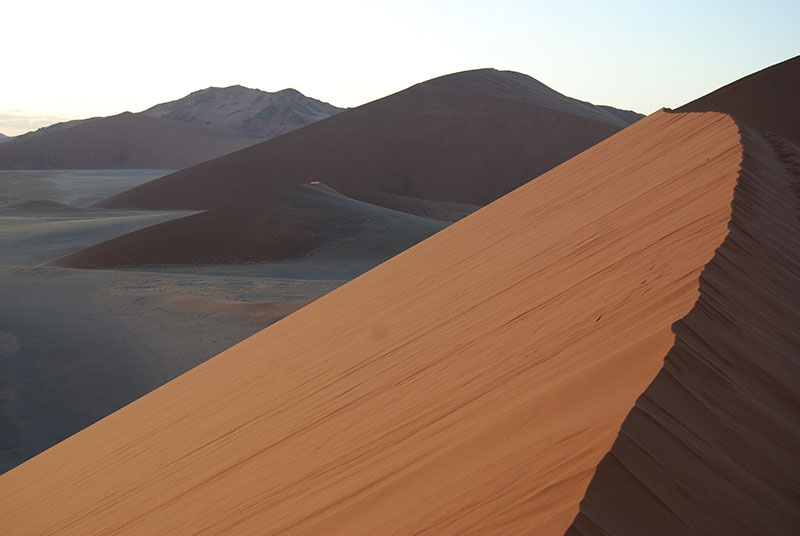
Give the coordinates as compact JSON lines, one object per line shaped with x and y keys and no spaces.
{"x":469,"y":385}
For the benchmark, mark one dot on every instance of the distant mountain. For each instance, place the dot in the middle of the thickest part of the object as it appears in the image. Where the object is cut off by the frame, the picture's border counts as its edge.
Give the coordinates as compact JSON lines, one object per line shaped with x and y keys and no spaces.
{"x":253,"y":112}
{"x":4,"y":138}
{"x":468,"y":137}
{"x":434,"y":150}
{"x":201,"y":126}
{"x":766,"y":100}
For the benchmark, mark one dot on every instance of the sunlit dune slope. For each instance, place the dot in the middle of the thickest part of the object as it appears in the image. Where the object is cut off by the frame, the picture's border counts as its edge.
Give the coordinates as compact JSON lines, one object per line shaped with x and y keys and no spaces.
{"x":469,"y":385}
{"x":766,"y":100}
{"x":712,"y":445}
{"x":468,"y":137}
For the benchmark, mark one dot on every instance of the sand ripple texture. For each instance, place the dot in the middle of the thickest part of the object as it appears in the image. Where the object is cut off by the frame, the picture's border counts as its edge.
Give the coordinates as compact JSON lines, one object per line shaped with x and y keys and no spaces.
{"x":712,"y":445}
{"x":473,"y":383}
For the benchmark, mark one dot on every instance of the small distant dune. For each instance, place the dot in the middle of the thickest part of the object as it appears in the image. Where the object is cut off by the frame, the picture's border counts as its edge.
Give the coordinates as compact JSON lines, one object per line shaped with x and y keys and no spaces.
{"x":304,"y":221}
{"x":44,"y":206}
{"x":252,"y":310}
{"x":437,"y":210}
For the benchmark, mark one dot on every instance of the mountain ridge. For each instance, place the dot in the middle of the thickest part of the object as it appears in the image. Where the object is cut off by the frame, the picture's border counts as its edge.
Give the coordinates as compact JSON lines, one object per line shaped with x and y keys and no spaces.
{"x":188,"y":133}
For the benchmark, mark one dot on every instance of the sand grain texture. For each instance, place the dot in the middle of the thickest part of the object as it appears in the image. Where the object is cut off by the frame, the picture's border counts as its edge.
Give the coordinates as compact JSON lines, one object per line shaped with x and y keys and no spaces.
{"x":469,"y":385}
{"x":712,"y":445}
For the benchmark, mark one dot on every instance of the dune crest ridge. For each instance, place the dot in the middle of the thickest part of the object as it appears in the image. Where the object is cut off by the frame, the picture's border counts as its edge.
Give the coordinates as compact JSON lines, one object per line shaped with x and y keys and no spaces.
{"x":468,"y":385}
{"x":711,"y":446}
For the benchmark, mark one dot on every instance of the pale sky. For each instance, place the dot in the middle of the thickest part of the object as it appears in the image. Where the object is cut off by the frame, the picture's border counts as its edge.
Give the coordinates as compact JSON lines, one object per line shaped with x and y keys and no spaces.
{"x":82,"y":58}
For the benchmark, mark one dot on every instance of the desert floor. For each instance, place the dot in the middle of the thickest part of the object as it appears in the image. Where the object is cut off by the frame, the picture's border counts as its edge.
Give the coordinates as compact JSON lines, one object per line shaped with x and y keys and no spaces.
{"x":75,"y":345}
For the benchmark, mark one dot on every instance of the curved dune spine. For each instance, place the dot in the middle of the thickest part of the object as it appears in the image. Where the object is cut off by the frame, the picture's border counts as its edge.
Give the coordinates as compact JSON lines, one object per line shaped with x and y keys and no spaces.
{"x":711,"y":447}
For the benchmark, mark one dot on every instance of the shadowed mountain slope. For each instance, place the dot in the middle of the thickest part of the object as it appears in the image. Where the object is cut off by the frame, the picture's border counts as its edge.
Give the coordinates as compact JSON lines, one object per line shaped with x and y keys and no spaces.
{"x":469,"y":385}
{"x":766,"y":100}
{"x":468,"y":137}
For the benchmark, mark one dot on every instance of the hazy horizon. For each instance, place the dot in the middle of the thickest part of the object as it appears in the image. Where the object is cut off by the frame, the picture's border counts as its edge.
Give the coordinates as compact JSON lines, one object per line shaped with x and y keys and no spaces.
{"x":109,"y":60}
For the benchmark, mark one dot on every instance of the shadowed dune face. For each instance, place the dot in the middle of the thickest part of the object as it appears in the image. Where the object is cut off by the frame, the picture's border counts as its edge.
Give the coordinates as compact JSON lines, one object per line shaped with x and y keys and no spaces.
{"x":301,"y":221}
{"x":172,"y":135}
{"x":448,"y":139}
{"x":711,"y":447}
{"x":437,"y":210}
{"x":467,"y":137}
{"x":469,"y":385}
{"x":766,"y":100}
{"x":122,"y":141}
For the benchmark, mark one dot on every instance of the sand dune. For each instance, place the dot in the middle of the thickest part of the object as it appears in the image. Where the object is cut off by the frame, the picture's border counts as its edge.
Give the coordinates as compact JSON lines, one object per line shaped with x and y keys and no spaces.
{"x":172,"y":135}
{"x":122,"y":141}
{"x":468,"y":137}
{"x":470,"y":385}
{"x":299,"y":221}
{"x":42,"y":206}
{"x":766,"y":100}
{"x":254,"y":310}
{"x":437,"y":210}
{"x":711,"y":447}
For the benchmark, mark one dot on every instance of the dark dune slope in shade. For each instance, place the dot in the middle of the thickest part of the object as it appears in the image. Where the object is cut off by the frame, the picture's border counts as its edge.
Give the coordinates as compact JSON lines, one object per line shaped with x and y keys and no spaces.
{"x":437,"y":210}
{"x":468,"y":137}
{"x":713,"y":444}
{"x":296,"y":221}
{"x":469,"y":385}
{"x":122,"y":141}
{"x":766,"y":100}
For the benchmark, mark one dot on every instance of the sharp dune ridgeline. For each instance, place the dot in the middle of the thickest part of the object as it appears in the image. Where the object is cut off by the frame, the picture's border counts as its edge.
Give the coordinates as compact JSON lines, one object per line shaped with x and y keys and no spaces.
{"x":473,"y":383}
{"x":711,"y":446}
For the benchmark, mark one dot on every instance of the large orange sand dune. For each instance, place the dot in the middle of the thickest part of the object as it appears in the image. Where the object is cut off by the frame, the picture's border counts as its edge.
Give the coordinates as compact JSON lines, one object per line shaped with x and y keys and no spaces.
{"x":712,"y":445}
{"x":469,"y":385}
